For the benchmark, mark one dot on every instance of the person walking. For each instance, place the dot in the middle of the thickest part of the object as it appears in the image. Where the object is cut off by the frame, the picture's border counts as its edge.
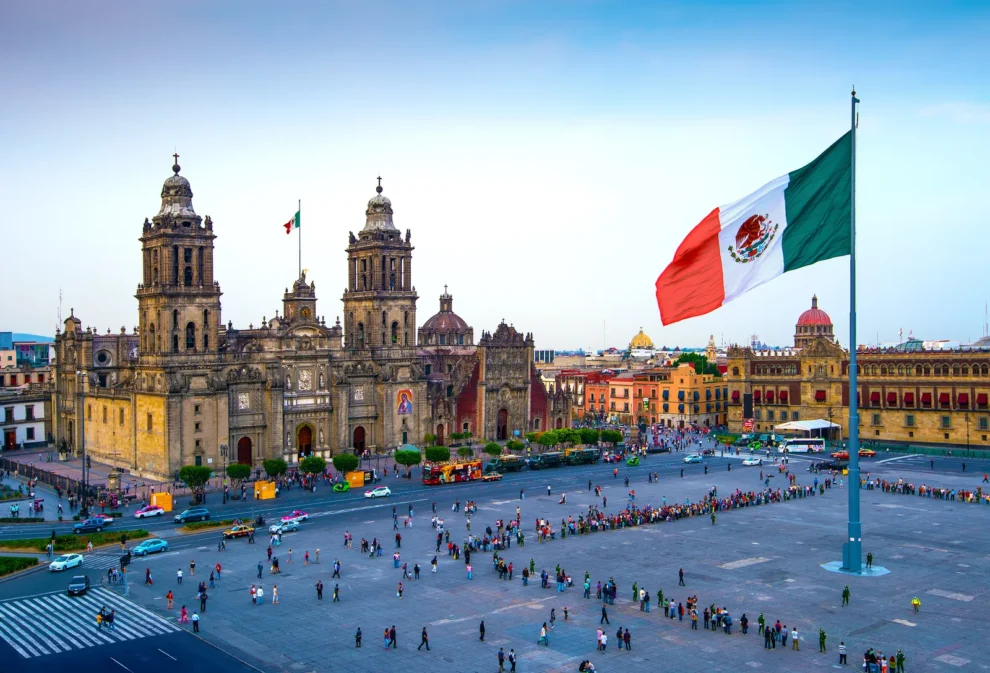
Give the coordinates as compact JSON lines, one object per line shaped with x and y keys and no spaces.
{"x":195,"y":622}
{"x":604,"y":619}
{"x":512,"y":660}
{"x":395,"y":639}
{"x":336,"y":593}
{"x":845,"y":596}
{"x":178,"y":576}
{"x":169,"y":597}
{"x":821,"y":640}
{"x":192,"y":568}
{"x":260,"y":569}
{"x":424,"y":639}
{"x":501,"y":660}
{"x":544,"y":637}
{"x":319,"y":589}
{"x":336,"y":569}
{"x":481,"y":629}
{"x":399,"y":591}
{"x":842,"y":653}
{"x":680,"y":575}
{"x":795,"y":640}
{"x":357,"y":638}
{"x":388,"y":639}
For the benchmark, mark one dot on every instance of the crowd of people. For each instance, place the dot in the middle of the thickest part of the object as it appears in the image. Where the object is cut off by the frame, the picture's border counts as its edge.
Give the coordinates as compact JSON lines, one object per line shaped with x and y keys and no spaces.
{"x":925,"y":491}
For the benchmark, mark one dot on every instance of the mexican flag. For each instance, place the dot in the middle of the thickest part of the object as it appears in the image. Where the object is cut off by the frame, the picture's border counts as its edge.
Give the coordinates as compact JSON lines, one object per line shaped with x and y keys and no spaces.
{"x":292,"y":224}
{"x":794,"y":221}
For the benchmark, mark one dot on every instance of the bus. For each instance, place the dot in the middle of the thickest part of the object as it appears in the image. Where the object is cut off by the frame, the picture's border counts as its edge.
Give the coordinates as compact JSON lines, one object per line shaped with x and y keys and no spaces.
{"x":802,"y":445}
{"x":448,"y":473}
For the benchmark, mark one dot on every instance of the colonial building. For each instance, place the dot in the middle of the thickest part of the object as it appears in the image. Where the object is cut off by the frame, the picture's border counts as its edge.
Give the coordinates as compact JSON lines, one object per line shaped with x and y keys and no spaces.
{"x":184,"y":385}
{"x":906,"y":393}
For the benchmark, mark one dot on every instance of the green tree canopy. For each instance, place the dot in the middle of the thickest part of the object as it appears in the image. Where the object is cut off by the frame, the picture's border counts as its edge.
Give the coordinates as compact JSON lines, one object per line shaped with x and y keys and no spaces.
{"x":588,"y":435}
{"x":437,"y":454}
{"x":238,"y":471}
{"x":548,"y":439}
{"x":312,"y":465}
{"x":568,"y":436}
{"x":344,"y":462}
{"x":465,"y":452}
{"x":700,"y":362}
{"x":456,"y":436}
{"x":274,"y":467}
{"x":531,"y":437}
{"x":467,"y":434}
{"x":514,"y":445}
{"x":408,"y":458}
{"x":428,"y":439}
{"x":493,"y":449}
{"x":195,"y":477}
{"x":612,"y":436}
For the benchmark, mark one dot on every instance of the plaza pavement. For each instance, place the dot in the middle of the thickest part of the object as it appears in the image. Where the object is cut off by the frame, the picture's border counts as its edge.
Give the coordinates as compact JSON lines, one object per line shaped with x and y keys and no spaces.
{"x":760,"y":559}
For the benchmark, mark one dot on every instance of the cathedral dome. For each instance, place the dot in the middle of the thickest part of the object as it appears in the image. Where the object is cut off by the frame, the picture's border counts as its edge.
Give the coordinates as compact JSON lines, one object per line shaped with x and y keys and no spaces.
{"x":445,"y":321}
{"x":641,"y":341}
{"x":814,"y":315}
{"x":446,"y":328}
{"x":177,"y":197}
{"x":378,"y":216}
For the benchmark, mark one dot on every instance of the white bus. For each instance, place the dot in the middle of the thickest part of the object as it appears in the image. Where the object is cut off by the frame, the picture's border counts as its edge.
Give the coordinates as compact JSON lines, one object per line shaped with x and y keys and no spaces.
{"x":802,"y":445}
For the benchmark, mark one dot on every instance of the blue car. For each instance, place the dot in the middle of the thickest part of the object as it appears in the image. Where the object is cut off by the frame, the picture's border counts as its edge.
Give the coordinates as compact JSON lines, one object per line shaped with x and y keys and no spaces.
{"x":151,"y":546}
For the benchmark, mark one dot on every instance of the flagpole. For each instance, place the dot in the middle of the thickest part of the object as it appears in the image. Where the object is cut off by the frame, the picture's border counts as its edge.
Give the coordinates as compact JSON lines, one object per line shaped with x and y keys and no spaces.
{"x":852,"y":550}
{"x":299,"y":229}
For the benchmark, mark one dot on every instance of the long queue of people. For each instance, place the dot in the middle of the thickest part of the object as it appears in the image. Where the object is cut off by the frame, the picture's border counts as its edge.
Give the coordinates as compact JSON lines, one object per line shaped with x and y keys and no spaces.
{"x":902,"y":487}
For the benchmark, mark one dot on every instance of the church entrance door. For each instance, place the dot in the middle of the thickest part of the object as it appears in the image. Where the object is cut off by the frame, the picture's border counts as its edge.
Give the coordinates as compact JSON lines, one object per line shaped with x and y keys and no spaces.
{"x":304,"y":441}
{"x":440,"y":434}
{"x":244,"y":451}
{"x":359,"y":440}
{"x":502,"y":427}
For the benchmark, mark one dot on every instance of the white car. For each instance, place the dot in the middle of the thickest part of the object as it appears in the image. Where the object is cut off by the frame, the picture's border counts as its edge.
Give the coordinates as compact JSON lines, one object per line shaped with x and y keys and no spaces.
{"x":692,"y":459}
{"x":65,"y":562}
{"x":150,"y":510}
{"x":378,"y":492}
{"x":751,"y":461}
{"x":283,"y":527}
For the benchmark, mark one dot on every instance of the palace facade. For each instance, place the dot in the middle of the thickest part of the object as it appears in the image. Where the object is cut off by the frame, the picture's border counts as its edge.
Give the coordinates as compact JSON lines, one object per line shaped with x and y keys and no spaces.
{"x":905,"y":394}
{"x":184,"y":388}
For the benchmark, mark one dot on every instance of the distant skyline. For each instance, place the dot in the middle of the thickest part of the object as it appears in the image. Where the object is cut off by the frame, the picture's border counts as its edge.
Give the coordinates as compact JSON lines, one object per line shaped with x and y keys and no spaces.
{"x":548,"y":157}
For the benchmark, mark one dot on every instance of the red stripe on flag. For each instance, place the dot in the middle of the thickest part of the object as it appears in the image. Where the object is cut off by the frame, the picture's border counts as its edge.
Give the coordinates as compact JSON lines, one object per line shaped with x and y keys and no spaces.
{"x":692,"y":284}
{"x":288,"y":225}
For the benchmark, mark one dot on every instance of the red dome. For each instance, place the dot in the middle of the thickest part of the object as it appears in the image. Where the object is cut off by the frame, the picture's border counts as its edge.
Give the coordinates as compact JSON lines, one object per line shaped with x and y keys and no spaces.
{"x":446,"y":321}
{"x":814,"y":315}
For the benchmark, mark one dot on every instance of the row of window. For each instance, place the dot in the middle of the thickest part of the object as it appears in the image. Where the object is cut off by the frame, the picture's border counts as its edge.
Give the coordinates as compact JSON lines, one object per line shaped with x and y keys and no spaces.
{"x":8,"y":414}
{"x":974,"y":369}
{"x":945,"y":422}
{"x":15,"y":379}
{"x":785,"y":415}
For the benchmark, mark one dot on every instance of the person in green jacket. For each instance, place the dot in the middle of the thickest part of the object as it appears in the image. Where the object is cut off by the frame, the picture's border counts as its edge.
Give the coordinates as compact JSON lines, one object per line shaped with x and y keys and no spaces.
{"x":845,"y":596}
{"x":762,"y":622}
{"x":900,"y":661}
{"x":821,"y":640}
{"x":635,"y":592}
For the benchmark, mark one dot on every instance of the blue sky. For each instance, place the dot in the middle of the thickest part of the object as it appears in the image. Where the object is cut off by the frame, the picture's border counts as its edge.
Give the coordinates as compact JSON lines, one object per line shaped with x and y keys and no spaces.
{"x":548,"y":157}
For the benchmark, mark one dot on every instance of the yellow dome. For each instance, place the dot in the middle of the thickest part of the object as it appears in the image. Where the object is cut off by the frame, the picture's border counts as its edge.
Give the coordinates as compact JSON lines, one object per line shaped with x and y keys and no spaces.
{"x":641,"y":341}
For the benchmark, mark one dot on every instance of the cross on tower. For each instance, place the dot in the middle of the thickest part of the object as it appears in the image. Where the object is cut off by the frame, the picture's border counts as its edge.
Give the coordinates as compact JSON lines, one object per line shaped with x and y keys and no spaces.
{"x":379,"y":181}
{"x":176,"y":157}
{"x":445,"y":288}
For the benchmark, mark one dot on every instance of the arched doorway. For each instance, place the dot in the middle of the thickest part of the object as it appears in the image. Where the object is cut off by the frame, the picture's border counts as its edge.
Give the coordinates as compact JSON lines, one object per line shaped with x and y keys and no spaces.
{"x":440,"y":434}
{"x":502,"y":426}
{"x":560,"y":423}
{"x":304,"y":441}
{"x":244,"y":451}
{"x":359,"y":440}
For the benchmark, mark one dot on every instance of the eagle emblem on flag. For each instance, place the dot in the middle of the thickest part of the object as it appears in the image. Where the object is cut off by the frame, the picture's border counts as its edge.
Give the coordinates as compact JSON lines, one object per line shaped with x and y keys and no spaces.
{"x":753,"y":238}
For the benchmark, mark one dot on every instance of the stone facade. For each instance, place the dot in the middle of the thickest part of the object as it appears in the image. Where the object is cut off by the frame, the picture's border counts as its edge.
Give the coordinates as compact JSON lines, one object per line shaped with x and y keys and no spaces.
{"x":182,"y":384}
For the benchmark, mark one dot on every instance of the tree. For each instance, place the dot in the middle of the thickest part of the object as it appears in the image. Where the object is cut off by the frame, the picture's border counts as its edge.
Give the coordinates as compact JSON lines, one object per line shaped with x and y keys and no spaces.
{"x":344,"y":462}
{"x":238,"y":472}
{"x":408,"y":457}
{"x":568,"y":436}
{"x":467,"y":434}
{"x":196,"y":477}
{"x":456,"y":437}
{"x":700,"y":363}
{"x":465,"y":452}
{"x":588,"y":435}
{"x":492,"y":449}
{"x":274,"y":467}
{"x":548,"y":439}
{"x":312,"y":465}
{"x":514,"y":445}
{"x":612,"y":436}
{"x":429,"y":439}
{"x":531,"y":437}
{"x":437,"y":454}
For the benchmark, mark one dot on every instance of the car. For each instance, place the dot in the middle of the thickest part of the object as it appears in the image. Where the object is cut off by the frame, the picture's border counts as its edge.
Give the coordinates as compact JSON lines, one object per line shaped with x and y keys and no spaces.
{"x":633,"y":461}
{"x":152,"y":546}
{"x":78,"y":585}
{"x":829,"y":465}
{"x":283,"y":527}
{"x":492,"y":476}
{"x":66,"y":561}
{"x":695,"y":458}
{"x":103,"y":515}
{"x":378,"y":492}
{"x":751,"y":461}
{"x":341,"y":487}
{"x":149,"y":510}
{"x":844,"y":454}
{"x":867,"y":453}
{"x":296,"y":515}
{"x":193,"y":514}
{"x":89,"y":525}
{"x":237,"y":531}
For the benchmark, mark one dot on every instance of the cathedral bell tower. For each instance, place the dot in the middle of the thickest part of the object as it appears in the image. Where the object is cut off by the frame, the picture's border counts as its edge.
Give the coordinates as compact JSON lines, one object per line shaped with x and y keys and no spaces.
{"x":178,"y":300}
{"x":380,"y":300}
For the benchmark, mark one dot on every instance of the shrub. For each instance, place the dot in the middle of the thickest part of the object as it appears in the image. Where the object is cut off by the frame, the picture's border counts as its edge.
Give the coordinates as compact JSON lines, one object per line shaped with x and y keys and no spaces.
{"x":70,"y":543}
{"x":11,"y":564}
{"x":492,"y":449}
{"x":219,"y":523}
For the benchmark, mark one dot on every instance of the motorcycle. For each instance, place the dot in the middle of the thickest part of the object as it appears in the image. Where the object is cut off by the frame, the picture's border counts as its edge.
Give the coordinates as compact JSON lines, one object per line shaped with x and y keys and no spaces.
{"x":260,"y":521}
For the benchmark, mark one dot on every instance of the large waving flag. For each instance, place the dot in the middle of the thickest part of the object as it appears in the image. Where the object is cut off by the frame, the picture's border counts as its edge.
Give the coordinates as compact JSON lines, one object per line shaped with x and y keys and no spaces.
{"x":292,"y":224}
{"x":794,"y":221}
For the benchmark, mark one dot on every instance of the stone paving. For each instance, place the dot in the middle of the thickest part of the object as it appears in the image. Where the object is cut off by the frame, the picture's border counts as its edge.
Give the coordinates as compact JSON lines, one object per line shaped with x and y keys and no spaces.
{"x":761,"y":559}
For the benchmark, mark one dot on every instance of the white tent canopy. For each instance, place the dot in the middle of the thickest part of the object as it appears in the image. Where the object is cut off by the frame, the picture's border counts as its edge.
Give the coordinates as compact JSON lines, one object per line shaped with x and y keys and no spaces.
{"x":806,"y":426}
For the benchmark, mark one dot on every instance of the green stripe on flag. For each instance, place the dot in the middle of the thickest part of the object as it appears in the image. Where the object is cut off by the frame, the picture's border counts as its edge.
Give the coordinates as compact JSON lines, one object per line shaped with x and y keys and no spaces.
{"x":818,"y":198}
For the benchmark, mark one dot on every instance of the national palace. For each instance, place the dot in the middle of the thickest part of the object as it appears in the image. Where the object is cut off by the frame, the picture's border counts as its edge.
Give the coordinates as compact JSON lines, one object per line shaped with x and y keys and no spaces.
{"x":906,"y":393}
{"x":185,"y":388}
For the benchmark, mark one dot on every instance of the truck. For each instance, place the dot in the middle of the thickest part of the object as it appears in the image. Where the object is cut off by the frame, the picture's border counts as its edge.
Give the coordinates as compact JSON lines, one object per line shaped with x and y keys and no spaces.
{"x":581,"y":456}
{"x":546,"y":460}
{"x":507,"y":462}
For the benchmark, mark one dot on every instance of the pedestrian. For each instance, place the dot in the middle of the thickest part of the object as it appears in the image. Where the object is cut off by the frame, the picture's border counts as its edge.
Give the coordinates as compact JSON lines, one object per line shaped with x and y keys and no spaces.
{"x":481,"y":629}
{"x":845,"y":596}
{"x":388,"y":639}
{"x":501,"y":659}
{"x":260,"y":595}
{"x":319,"y":589}
{"x":424,"y":639}
{"x":604,"y":619}
{"x":821,"y":640}
{"x":553,"y":616}
{"x":512,"y":660}
{"x":336,"y":593}
{"x":795,"y":640}
{"x":195,"y":622}
{"x":395,"y":640}
{"x":434,"y":564}
{"x":184,"y":616}
{"x":192,"y":568}
{"x":842,"y":653}
{"x":399,"y":591}
{"x":336,"y":569}
{"x":357,"y":638}
{"x":680,"y":575}
{"x":306,"y":558}
{"x":170,"y":598}
{"x":899,"y":660}
{"x":627,"y":639}
{"x":469,"y":571}
{"x":178,"y":576}
{"x":260,"y":569}
{"x":544,"y":637}
{"x":869,"y":559}
{"x":604,"y":641}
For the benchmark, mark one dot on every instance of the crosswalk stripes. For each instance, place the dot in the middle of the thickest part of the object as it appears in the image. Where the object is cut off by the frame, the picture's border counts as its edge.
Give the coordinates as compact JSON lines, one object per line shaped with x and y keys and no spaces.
{"x":101,"y":561}
{"x":54,"y":623}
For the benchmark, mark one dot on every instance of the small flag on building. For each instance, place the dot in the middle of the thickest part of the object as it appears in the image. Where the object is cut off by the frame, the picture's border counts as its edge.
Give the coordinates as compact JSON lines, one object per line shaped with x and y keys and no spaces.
{"x":292,"y":224}
{"x":795,"y":221}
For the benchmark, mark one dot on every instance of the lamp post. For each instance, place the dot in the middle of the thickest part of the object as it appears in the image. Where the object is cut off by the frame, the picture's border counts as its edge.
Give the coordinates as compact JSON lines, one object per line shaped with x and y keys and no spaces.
{"x":830,"y":432}
{"x":966,"y":416}
{"x":80,"y":386}
{"x":223,"y":479}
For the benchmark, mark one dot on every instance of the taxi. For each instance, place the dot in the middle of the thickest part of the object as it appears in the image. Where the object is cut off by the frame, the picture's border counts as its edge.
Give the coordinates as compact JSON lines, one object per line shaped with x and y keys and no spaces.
{"x":238,"y":531}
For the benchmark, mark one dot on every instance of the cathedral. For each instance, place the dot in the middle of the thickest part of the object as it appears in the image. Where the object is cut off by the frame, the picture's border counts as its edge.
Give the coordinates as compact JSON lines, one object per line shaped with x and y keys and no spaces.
{"x":186,"y":389}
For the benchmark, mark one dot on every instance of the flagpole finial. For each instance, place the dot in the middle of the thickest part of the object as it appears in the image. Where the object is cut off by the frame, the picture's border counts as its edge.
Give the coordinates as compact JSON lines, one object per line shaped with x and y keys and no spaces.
{"x":379,"y":187}
{"x":854,"y":90}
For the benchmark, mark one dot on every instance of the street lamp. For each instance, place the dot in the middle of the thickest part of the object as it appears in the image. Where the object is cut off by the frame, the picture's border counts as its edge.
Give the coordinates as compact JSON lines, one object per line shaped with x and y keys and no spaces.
{"x":80,"y":381}
{"x":966,"y":416}
{"x":223,"y":479}
{"x":831,"y":433}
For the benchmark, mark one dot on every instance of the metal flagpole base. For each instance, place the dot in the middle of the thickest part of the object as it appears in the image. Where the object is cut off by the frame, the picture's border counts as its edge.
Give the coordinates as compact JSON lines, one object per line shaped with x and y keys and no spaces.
{"x":873,"y":571}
